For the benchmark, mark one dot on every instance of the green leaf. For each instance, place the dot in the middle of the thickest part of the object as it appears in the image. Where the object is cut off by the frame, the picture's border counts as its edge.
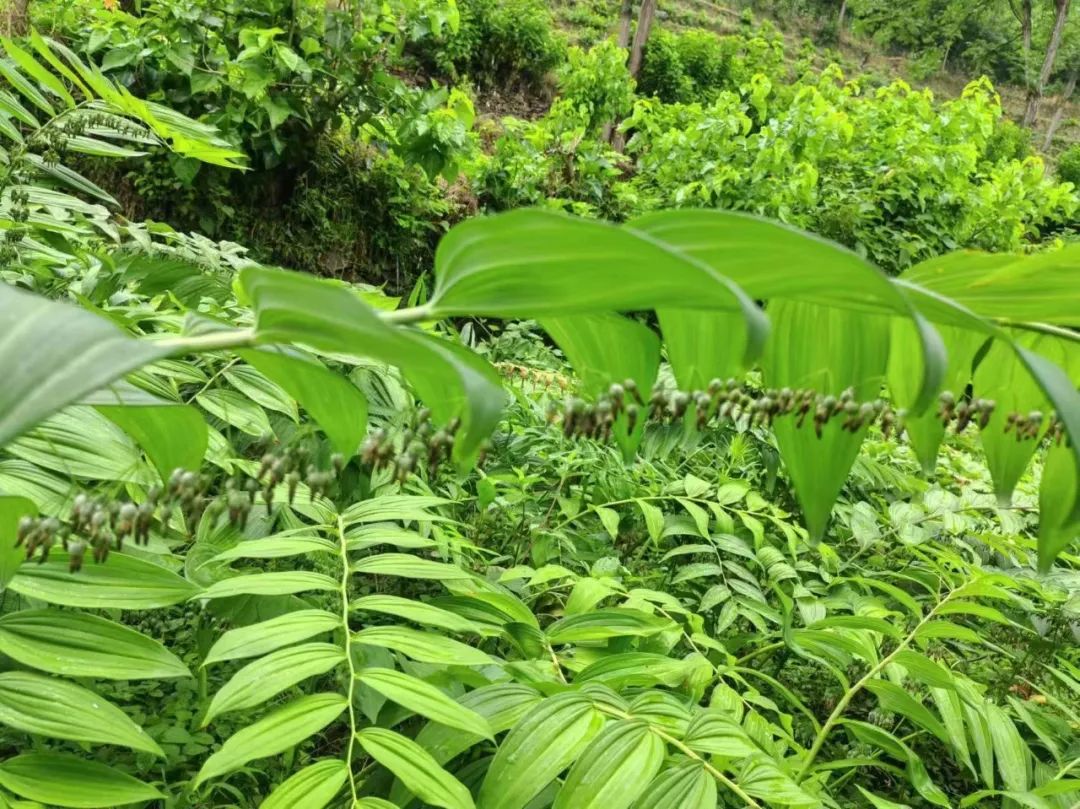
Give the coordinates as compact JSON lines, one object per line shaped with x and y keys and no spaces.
{"x":895,"y":699}
{"x":260,"y":638}
{"x":61,"y":710}
{"x":654,"y":519}
{"x":550,"y":737}
{"x":172,"y":435}
{"x":313,"y":787}
{"x":236,"y":410}
{"x":426,"y":647}
{"x":76,"y":644}
{"x":408,"y":566}
{"x":277,"y":547}
{"x":815,"y":347}
{"x":609,"y":517}
{"x":284,"y":728}
{"x":425,"y":699}
{"x":270,"y":584}
{"x":416,"y":611}
{"x":684,"y":786}
{"x":34,"y":69}
{"x":122,"y":582}
{"x":575,"y":266}
{"x":63,"y":780}
{"x":255,"y":385}
{"x":604,"y":624}
{"x":25,"y":87}
{"x":418,"y":771}
{"x":881,"y":803}
{"x":335,"y":403}
{"x":1013,"y":756}
{"x":614,"y":769}
{"x":502,"y":706}
{"x":268,"y":676}
{"x":1058,"y":528}
{"x":12,"y":509}
{"x":55,"y":354}
{"x":925,"y":670}
{"x":718,"y":735}
{"x":292,"y":307}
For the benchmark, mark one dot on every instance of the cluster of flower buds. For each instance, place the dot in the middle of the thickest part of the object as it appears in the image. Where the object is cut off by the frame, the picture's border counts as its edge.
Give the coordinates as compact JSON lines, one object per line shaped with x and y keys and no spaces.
{"x":964,"y":412}
{"x":283,"y":468}
{"x":421,"y":443}
{"x":730,"y":400}
{"x":1028,"y":426}
{"x":535,"y":376}
{"x":596,"y":420}
{"x":101,"y":524}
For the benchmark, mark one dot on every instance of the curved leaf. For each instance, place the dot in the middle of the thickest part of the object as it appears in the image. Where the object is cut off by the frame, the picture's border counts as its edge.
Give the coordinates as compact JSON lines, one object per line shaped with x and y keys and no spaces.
{"x":310,"y":788}
{"x":63,"y":780}
{"x":417,"y":770}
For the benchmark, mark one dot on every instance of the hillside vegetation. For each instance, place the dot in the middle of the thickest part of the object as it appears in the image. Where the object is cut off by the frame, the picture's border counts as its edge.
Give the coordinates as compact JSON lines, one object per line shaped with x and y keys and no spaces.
{"x":437,"y":404}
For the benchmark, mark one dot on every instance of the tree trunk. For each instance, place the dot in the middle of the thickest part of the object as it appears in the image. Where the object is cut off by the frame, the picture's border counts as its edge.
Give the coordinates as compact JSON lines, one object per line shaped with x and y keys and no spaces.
{"x":637,"y":52}
{"x":1059,"y":110}
{"x":641,"y":35}
{"x":18,"y":18}
{"x":626,"y":17}
{"x":840,"y":17}
{"x":1035,"y":92}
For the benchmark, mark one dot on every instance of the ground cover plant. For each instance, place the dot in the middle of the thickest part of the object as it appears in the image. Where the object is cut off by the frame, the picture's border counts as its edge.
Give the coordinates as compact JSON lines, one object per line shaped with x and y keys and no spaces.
{"x":635,"y":498}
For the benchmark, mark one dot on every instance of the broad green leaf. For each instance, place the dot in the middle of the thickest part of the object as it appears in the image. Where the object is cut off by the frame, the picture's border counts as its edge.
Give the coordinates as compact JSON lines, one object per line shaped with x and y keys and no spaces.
{"x":702,"y":346}
{"x":260,"y":638}
{"x":684,"y":786}
{"x":827,"y":350}
{"x":284,"y":728}
{"x":38,"y":73}
{"x":425,"y":699}
{"x":172,"y":435}
{"x":761,"y":777}
{"x":277,"y":547}
{"x":371,"y":536}
{"x":417,"y":611}
{"x":1013,"y":756}
{"x":609,"y":518}
{"x":375,"y":803}
{"x":236,"y":410}
{"x":253,"y":384}
{"x":604,"y":624}
{"x":643,"y":669}
{"x":543,"y":744}
{"x":53,"y":354}
{"x":895,"y":699}
{"x":614,"y":769}
{"x":269,"y":584}
{"x":501,"y":705}
{"x":408,"y":566}
{"x":121,"y":582}
{"x":12,"y":509}
{"x":26,"y":88}
{"x":881,"y":803}
{"x":863,"y":622}
{"x":63,"y":780}
{"x":404,"y":507}
{"x":951,"y":709}
{"x":416,"y":769}
{"x":310,"y":788}
{"x":576,"y":266}
{"x":335,"y":403}
{"x":292,"y":307}
{"x":1057,"y":527}
{"x":718,"y":735}
{"x":61,"y":710}
{"x":926,"y":671}
{"x":654,"y":519}
{"x":268,"y":676}
{"x":426,"y":647}
{"x":76,"y":644}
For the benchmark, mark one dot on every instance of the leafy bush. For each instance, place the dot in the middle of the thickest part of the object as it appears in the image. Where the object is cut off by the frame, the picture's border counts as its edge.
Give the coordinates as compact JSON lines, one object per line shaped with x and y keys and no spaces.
{"x":1068,"y":165}
{"x":497,"y":43}
{"x":598,"y":81}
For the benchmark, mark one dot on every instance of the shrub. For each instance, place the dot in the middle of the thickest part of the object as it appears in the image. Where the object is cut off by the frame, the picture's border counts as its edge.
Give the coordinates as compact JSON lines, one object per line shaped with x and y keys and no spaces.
{"x":1068,"y":165}
{"x":597,"y":80}
{"x":498,"y":42}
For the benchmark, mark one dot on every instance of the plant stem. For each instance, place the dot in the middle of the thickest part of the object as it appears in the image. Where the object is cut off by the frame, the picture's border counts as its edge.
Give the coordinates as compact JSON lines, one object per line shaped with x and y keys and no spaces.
{"x":1041,"y":328}
{"x":841,"y":706}
{"x":411,"y":314}
{"x":686,"y":751}
{"x":214,"y":341}
{"x":343,"y":551}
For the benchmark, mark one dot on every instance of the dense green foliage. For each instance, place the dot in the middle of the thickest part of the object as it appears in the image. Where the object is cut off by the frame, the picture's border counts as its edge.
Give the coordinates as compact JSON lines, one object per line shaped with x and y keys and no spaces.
{"x":693,"y":509}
